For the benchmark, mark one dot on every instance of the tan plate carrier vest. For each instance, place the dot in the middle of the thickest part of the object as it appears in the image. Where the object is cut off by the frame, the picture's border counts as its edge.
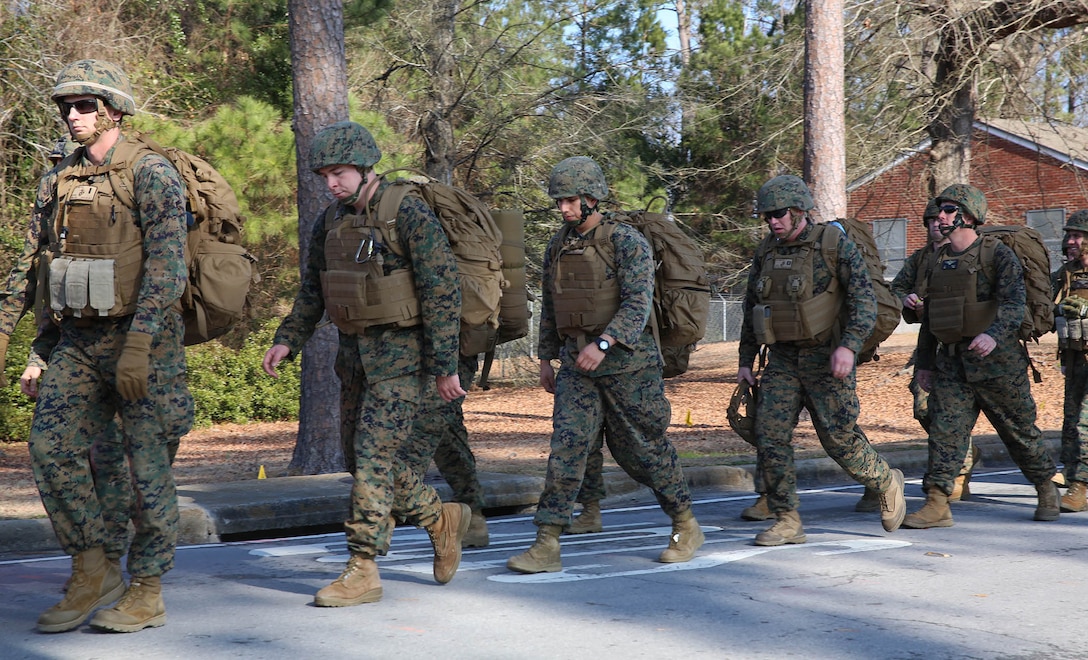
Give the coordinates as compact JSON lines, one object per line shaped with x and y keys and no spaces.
{"x":1071,"y":333}
{"x":584,"y":298}
{"x":787,"y":310}
{"x":955,"y":313}
{"x":358,"y":293}
{"x":95,"y":257}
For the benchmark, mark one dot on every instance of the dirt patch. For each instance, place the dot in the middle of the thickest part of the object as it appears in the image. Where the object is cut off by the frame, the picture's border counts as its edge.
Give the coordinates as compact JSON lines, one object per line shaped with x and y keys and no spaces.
{"x":510,"y":425}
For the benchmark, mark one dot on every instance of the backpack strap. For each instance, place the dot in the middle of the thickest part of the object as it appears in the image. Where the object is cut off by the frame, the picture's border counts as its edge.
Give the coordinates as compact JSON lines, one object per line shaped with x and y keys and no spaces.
{"x":388,"y":208}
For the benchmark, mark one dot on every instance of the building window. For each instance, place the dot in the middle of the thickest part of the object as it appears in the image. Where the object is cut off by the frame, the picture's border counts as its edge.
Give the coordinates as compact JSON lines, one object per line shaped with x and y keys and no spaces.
{"x":891,"y":240}
{"x":1049,"y":222}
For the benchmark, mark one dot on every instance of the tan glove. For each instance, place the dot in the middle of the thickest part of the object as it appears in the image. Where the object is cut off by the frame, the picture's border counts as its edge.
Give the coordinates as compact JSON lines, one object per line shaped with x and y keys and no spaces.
{"x":3,"y":359}
{"x":132,"y":366}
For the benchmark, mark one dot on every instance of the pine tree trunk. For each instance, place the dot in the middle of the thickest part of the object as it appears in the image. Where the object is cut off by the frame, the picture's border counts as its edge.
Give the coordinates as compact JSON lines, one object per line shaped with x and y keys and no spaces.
{"x":825,"y":120}
{"x":320,"y":79}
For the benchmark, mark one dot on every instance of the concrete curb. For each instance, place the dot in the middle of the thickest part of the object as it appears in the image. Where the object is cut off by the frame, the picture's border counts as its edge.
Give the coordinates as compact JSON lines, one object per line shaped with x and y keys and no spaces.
{"x":212,"y":512}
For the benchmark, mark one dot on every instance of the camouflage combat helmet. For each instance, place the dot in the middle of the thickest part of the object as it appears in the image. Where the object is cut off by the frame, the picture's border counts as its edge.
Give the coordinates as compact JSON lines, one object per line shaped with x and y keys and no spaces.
{"x":969,"y":198}
{"x":784,"y":191}
{"x":577,"y":176}
{"x":933,"y":209}
{"x":344,"y":143}
{"x":1077,"y":222}
{"x":741,"y":413}
{"x":102,"y":79}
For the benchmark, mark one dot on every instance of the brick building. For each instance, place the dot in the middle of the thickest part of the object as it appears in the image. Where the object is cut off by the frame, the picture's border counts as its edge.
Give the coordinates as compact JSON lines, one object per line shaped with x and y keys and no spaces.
{"x":1032,"y":173}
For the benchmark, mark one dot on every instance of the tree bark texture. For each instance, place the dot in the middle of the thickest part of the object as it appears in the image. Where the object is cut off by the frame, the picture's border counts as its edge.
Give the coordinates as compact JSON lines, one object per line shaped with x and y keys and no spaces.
{"x":435,"y":126}
{"x":968,"y":30}
{"x":319,"y":69}
{"x":825,"y":120}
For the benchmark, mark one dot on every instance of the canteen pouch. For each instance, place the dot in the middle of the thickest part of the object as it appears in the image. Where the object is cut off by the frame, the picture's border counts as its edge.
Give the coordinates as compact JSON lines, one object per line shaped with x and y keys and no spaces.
{"x":761,"y":324}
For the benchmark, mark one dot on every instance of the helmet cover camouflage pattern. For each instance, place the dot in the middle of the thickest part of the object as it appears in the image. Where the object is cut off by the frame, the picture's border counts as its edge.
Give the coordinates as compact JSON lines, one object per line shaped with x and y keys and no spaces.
{"x":344,"y":143}
{"x":969,"y":198}
{"x":933,"y":209}
{"x":1077,"y":222}
{"x":782,"y":192}
{"x":102,"y":79}
{"x":741,"y":413}
{"x":577,"y":176}
{"x":63,"y":147}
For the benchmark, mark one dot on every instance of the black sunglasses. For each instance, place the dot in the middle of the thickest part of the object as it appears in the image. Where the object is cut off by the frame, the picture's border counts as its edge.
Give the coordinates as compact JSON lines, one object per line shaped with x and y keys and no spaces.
{"x":82,"y":106}
{"x":780,"y":213}
{"x":950,"y":208}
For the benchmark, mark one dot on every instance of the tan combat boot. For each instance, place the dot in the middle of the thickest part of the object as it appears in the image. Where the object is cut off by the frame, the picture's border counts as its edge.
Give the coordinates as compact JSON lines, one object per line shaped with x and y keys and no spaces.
{"x":934,"y":513}
{"x":961,"y":487}
{"x":893,"y":505}
{"x":1049,"y":507}
{"x":588,"y":521}
{"x":94,"y":582}
{"x":359,"y":583}
{"x":446,"y":534}
{"x":477,"y":535}
{"x":786,"y":530}
{"x":543,"y":556}
{"x":869,"y":502}
{"x":1075,"y":500}
{"x":114,"y":561}
{"x":759,"y":510}
{"x":141,"y":607}
{"x":687,"y":537}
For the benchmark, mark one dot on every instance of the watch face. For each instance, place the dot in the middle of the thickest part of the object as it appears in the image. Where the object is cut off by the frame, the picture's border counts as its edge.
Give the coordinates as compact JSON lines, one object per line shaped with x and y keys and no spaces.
{"x":603,"y":344}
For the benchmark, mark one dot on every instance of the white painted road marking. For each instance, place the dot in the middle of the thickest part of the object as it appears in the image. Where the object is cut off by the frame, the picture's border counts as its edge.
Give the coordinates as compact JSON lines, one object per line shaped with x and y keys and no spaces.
{"x":701,"y":561}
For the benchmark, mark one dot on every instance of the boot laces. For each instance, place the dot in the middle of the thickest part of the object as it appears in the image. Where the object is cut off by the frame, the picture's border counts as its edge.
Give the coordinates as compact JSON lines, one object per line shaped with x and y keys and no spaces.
{"x":349,"y":570}
{"x":780,"y":526}
{"x":133,"y":593}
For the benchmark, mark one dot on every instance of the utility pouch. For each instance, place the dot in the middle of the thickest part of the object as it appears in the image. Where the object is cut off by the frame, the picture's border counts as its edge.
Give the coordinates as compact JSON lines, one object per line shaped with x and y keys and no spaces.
{"x":946,"y":318}
{"x":761,"y":324}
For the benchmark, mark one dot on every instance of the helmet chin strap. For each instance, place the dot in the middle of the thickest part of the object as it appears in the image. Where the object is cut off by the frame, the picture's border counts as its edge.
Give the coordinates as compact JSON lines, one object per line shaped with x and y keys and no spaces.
{"x":350,"y":201}
{"x":102,"y":124}
{"x":586,"y":209}
{"x":956,"y":224}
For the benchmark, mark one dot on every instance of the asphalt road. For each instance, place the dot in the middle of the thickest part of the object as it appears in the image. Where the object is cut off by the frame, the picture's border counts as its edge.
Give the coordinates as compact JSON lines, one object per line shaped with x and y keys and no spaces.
{"x":996,"y":585}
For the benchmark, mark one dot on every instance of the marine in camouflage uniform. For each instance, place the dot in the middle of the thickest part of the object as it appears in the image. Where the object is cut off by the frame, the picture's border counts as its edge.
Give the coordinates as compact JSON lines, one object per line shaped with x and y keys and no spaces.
{"x":809,"y":367}
{"x":610,"y":370}
{"x":131,"y":363}
{"x":909,"y":286}
{"x":970,"y":363}
{"x":109,"y":463}
{"x":396,"y":360}
{"x":1070,"y":283}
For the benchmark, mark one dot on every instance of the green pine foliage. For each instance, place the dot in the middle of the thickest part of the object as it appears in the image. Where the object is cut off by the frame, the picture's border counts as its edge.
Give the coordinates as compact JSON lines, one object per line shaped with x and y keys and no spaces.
{"x":229,"y":385}
{"x":16,"y":409}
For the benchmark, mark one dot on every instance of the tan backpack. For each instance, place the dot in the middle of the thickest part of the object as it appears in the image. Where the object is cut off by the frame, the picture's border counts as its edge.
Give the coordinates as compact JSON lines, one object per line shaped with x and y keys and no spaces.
{"x":220,"y":269}
{"x":681,"y":303}
{"x":1027,"y":244}
{"x":888,"y":306}
{"x":475,"y":240}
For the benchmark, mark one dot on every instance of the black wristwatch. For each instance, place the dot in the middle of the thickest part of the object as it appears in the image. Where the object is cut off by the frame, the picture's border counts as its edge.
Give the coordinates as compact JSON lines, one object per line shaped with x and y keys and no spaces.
{"x":602,"y":344}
